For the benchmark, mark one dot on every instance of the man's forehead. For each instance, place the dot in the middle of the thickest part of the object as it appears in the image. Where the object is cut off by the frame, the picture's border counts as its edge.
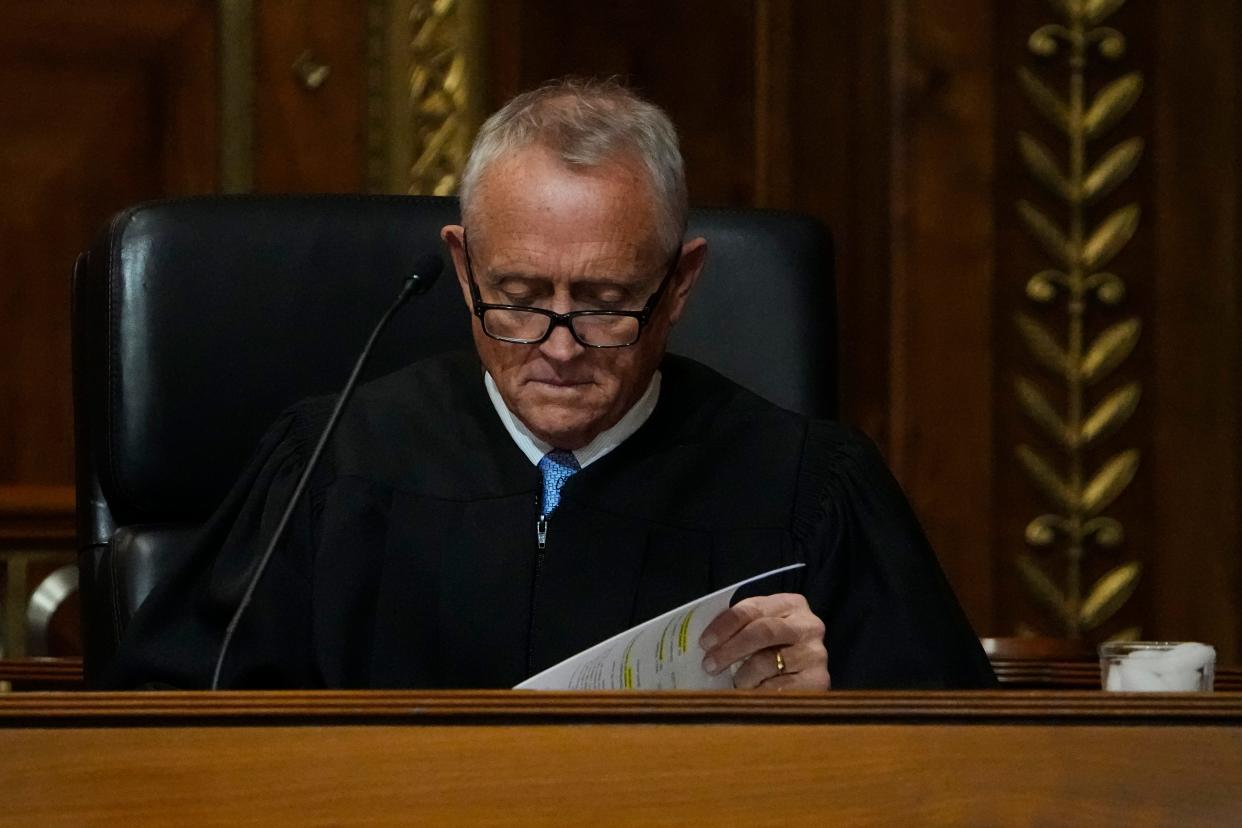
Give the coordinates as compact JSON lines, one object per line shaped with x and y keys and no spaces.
{"x":535,"y":162}
{"x":528,"y":200}
{"x":537,"y":257}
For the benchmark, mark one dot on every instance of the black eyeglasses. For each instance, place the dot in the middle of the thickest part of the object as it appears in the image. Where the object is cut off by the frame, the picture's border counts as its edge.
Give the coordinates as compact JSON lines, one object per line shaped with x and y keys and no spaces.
{"x":590,"y":328}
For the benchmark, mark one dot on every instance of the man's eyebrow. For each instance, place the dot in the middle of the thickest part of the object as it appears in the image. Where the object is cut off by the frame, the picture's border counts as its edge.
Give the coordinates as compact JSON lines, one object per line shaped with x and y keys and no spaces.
{"x":597,"y":282}
{"x":590,"y":283}
{"x":526,"y":276}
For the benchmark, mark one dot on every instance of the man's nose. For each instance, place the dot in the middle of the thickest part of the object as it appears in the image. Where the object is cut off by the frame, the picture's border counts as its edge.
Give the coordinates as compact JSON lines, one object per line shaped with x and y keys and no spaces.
{"x":560,"y":346}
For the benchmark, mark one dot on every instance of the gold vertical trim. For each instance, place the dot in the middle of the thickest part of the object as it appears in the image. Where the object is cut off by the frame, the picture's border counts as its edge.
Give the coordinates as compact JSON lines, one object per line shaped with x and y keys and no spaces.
{"x":386,"y":65}
{"x":773,"y":27}
{"x":423,"y":103}
{"x":1077,"y":280}
{"x":236,"y":74}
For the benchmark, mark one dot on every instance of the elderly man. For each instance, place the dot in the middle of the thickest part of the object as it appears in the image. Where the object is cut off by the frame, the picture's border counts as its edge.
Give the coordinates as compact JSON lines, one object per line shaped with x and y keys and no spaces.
{"x":479,"y":517}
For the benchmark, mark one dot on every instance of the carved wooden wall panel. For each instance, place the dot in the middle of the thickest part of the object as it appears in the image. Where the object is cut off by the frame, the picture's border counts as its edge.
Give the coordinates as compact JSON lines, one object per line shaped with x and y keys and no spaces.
{"x":103,"y":104}
{"x":310,"y":96}
{"x":963,"y":261}
{"x":100,"y":110}
{"x":896,"y":121}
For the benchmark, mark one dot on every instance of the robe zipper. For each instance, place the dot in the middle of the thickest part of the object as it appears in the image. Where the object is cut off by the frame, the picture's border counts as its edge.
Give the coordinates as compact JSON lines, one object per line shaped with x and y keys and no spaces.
{"x":541,"y":543}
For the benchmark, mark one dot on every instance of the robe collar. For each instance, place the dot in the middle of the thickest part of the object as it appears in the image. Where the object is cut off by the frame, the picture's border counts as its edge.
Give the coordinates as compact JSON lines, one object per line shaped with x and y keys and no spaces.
{"x":606,"y":441}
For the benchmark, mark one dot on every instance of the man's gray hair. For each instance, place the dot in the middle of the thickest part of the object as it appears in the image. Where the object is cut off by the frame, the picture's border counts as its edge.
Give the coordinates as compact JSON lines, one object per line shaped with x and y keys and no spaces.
{"x":587,"y":123}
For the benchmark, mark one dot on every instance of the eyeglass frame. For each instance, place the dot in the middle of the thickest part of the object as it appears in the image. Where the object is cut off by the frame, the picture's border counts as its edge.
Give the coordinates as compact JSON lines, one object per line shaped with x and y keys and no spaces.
{"x":556,"y":320}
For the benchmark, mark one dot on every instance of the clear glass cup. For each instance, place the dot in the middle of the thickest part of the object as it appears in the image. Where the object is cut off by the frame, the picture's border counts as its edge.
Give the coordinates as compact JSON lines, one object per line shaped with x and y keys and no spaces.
{"x":1157,"y":666}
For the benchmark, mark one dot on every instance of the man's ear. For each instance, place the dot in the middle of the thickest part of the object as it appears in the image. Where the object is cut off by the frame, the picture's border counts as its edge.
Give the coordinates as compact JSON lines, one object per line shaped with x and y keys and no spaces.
{"x":689,"y":266}
{"x":454,"y":236}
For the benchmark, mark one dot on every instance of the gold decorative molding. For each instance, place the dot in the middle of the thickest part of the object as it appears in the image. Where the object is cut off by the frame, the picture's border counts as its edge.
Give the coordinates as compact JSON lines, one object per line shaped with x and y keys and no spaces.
{"x":423,"y":101}
{"x":1077,"y":283}
{"x":236,"y":73}
{"x":774,"y":21}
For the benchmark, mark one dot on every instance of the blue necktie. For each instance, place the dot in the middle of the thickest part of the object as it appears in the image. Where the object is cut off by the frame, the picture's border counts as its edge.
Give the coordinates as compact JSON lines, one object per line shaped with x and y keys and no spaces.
{"x":556,"y":466}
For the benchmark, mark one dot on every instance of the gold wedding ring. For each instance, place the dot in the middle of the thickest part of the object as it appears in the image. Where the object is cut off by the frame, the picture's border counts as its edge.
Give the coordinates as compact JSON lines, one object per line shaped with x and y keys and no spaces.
{"x":780,"y":663}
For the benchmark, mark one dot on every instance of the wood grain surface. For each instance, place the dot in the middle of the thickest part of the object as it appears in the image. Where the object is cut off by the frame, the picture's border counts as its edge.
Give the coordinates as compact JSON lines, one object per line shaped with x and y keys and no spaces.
{"x":103,"y":105}
{"x":895,"y":121}
{"x":1012,"y":672}
{"x":305,"y":707}
{"x":1147,"y":768}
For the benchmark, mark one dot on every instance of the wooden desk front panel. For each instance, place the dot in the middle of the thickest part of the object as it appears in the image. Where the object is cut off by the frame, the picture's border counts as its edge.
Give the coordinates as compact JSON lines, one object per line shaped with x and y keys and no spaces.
{"x":830,"y":766}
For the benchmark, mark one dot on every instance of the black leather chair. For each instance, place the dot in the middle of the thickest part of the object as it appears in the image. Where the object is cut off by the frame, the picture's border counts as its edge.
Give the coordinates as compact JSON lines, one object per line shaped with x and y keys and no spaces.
{"x":197,"y":321}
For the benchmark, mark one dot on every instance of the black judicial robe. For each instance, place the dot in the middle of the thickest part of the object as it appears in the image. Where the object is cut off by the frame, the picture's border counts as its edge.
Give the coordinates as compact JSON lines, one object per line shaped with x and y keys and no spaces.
{"x":412,"y":560}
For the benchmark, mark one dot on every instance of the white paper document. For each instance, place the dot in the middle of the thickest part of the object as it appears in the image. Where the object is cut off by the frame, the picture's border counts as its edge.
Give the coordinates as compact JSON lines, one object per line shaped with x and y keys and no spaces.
{"x":660,"y":654}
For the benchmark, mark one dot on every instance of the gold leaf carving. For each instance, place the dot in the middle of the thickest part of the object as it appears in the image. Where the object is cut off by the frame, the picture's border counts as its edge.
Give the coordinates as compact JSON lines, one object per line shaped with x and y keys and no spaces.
{"x":1111,"y":481}
{"x":1037,"y":407}
{"x":1042,"y":287}
{"x":1039,"y":534}
{"x":1049,"y":103}
{"x":1041,"y":586}
{"x":1044,"y":231}
{"x":1108,"y":594}
{"x":423,"y":92}
{"x":1044,"y":476}
{"x":1110,"y":414}
{"x":1043,"y":41}
{"x":1109,"y":349}
{"x":1108,"y":287}
{"x":1042,"y":165}
{"x":1108,"y":239}
{"x":1108,"y":532}
{"x":1113,"y":102}
{"x":1112,"y":169}
{"x":1043,"y":345}
{"x":1111,"y":43}
{"x":1042,"y":531}
{"x":1079,"y":247}
{"x":1096,"y":11}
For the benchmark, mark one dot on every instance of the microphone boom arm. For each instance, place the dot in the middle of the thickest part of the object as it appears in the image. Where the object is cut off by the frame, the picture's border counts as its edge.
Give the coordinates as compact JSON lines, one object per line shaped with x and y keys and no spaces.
{"x":427,"y":269}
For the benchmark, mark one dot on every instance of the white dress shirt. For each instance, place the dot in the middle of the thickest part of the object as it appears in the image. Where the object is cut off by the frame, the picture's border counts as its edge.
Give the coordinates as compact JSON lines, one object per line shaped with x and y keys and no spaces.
{"x":606,"y":441}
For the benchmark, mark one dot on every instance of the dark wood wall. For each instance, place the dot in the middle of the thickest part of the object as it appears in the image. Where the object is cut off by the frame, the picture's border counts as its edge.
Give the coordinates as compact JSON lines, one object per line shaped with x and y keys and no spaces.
{"x":101,"y":105}
{"x":895,"y":121}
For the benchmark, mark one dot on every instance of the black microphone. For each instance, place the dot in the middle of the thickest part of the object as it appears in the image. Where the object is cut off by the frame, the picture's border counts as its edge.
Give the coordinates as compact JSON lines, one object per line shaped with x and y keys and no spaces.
{"x":426,"y":270}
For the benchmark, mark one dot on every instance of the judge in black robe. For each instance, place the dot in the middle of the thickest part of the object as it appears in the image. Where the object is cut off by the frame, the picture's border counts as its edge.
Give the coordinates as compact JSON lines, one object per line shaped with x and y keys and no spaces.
{"x":412,"y":560}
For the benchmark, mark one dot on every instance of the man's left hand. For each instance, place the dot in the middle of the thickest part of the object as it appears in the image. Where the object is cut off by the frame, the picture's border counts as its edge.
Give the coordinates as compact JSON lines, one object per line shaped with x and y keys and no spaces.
{"x":779,"y":641}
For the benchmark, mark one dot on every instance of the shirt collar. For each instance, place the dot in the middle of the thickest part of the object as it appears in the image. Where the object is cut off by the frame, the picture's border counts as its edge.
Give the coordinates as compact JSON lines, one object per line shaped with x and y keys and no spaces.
{"x":606,"y":441}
